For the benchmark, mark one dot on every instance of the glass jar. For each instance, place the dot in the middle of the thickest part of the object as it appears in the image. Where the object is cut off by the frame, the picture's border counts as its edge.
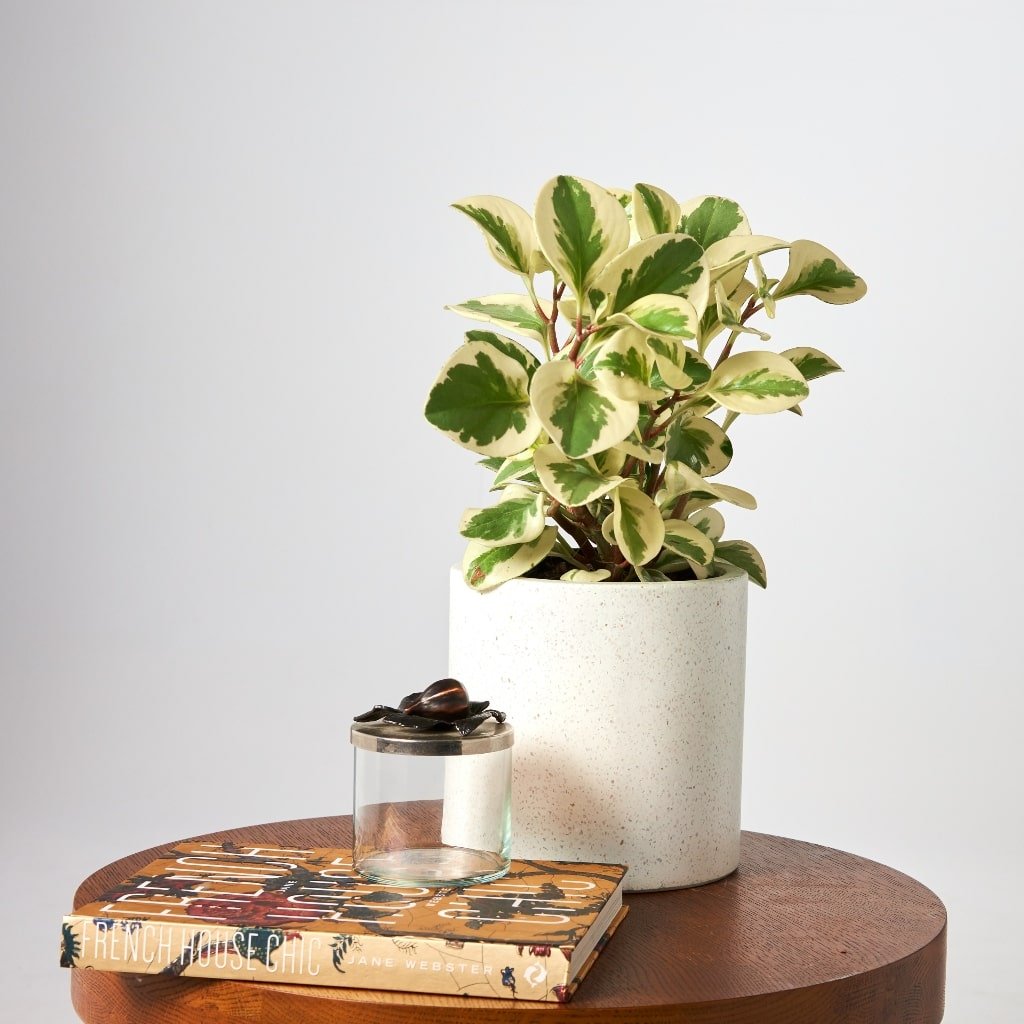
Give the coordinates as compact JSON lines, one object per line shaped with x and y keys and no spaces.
{"x":432,"y":808}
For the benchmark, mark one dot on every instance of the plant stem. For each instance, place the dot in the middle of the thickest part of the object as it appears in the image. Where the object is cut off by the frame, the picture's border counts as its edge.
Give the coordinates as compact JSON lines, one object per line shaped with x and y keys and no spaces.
{"x":679,"y":507}
{"x":556,"y":294}
{"x":727,"y":349}
{"x":594,"y":528}
{"x":751,"y":308}
{"x":574,"y":354}
{"x":549,"y":336}
{"x":586,"y":549}
{"x":654,"y":429}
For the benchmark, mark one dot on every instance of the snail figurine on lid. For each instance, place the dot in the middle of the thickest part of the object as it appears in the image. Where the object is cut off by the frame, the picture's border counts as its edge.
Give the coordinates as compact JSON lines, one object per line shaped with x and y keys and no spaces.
{"x":433,"y":790}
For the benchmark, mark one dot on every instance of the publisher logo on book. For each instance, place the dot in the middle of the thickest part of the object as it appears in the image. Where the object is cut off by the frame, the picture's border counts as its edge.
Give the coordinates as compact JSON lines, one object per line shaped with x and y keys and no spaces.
{"x":535,"y":974}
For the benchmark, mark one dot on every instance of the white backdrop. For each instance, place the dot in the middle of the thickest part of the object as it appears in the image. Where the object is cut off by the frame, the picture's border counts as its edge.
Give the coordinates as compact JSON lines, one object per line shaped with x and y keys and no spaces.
{"x":225,"y":526}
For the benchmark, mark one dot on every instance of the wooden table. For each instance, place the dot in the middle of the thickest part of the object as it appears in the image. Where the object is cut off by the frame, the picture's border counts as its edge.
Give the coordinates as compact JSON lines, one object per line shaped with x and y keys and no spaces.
{"x":800,"y":934}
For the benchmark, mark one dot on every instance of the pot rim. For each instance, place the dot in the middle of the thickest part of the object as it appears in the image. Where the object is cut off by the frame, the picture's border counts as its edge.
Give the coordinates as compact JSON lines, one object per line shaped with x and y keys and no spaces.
{"x":728,"y":575}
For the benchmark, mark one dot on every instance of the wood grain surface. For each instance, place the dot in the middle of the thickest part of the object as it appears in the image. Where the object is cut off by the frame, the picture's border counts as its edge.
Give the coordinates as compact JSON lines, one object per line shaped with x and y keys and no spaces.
{"x":800,"y":934}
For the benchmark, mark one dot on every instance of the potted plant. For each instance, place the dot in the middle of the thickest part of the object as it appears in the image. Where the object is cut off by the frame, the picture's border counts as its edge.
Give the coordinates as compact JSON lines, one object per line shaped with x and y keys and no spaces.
{"x":598,"y":601}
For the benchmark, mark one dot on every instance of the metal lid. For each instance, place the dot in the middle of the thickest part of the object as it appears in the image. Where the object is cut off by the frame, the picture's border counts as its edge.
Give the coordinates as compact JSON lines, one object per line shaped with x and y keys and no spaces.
{"x":396,"y":739}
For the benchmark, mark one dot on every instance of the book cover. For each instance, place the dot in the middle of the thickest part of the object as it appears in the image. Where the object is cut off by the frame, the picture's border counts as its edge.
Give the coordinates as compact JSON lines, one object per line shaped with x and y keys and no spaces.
{"x":268,"y":913}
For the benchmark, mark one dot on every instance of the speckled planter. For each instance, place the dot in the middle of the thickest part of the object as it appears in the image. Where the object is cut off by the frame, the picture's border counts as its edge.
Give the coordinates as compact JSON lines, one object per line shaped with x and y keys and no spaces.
{"x":627,"y":701}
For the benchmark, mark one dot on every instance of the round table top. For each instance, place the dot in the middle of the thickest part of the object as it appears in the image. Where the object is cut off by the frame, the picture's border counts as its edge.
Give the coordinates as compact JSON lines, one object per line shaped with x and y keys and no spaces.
{"x":799,"y":934}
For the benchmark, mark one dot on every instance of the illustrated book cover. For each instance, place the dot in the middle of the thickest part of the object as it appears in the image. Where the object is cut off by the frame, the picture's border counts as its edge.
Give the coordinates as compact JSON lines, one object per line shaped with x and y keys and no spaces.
{"x":269,"y":913}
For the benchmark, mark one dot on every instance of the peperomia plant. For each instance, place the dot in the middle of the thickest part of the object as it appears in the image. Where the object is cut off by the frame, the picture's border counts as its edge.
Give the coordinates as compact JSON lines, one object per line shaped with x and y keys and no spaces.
{"x":605,"y":448}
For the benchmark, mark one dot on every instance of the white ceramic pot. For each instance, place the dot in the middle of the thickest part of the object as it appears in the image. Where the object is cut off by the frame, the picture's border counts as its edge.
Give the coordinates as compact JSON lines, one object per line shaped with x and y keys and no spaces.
{"x":627,"y":702}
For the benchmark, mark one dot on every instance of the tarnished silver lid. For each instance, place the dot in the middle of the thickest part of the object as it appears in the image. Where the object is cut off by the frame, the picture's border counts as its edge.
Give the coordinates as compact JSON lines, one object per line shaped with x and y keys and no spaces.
{"x":396,"y":739}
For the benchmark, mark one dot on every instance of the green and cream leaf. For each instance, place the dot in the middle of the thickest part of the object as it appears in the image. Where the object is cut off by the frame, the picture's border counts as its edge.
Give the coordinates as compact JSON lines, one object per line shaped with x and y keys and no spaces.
{"x":579,"y":416}
{"x":514,"y":312}
{"x":680,"y":479}
{"x":685,"y":539}
{"x":637,"y":525}
{"x":815,"y":270}
{"x":571,"y":482}
{"x":524,"y":357}
{"x":757,"y":382}
{"x":672,"y":358}
{"x":517,"y":519}
{"x":585,"y":576}
{"x":624,"y":365}
{"x":655,"y":212}
{"x":581,"y":227}
{"x":699,"y":443}
{"x":811,"y":362}
{"x":645,"y":574}
{"x":641,"y":452}
{"x":709,"y":219}
{"x":481,"y":400}
{"x":709,"y":521}
{"x":746,"y":557}
{"x":666,"y":264}
{"x":665,"y":316}
{"x":515,"y":467}
{"x":735,"y":250}
{"x":509,"y":232}
{"x":484,"y":568}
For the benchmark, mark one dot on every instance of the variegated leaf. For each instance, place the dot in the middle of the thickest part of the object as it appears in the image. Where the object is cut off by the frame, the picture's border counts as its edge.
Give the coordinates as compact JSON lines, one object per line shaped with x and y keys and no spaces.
{"x":668,"y":264}
{"x":730,"y":317}
{"x":671,"y":358}
{"x":811,"y":362}
{"x":700,"y":443}
{"x":578,"y":415}
{"x":735,"y":250}
{"x":585,"y":575}
{"x":484,"y":568}
{"x":608,"y":528}
{"x":655,"y":212}
{"x":665,"y":316}
{"x":624,"y":364}
{"x":571,"y":481}
{"x":526,"y":359}
{"x":637,"y":525}
{"x":709,"y":521}
{"x":710,"y":325}
{"x":516,"y":312}
{"x":709,"y":219}
{"x":697,"y":368}
{"x":815,"y":270}
{"x":757,"y":382}
{"x":685,"y":539}
{"x":622,"y":196}
{"x":610,"y":462}
{"x":481,"y":399}
{"x":581,"y":227}
{"x":680,"y":479}
{"x":515,"y":467}
{"x":518,"y":518}
{"x":746,"y":557}
{"x":642,"y":452}
{"x":508,"y":230}
{"x":645,"y":574}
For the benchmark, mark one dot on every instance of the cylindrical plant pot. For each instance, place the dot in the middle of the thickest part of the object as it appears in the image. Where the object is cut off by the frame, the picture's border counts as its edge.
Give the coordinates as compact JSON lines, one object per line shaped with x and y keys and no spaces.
{"x":627,"y":701}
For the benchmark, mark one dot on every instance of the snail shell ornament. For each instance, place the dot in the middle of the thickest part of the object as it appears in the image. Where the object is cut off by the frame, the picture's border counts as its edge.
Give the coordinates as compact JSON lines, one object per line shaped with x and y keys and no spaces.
{"x":442,"y":705}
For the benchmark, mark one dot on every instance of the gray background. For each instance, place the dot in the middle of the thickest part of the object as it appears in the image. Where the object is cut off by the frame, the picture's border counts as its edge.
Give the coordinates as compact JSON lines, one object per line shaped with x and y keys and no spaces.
{"x":225,"y":525}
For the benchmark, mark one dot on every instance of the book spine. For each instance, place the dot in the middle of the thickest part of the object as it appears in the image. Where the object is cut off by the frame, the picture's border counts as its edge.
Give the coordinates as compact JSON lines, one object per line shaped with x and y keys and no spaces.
{"x":396,"y":963}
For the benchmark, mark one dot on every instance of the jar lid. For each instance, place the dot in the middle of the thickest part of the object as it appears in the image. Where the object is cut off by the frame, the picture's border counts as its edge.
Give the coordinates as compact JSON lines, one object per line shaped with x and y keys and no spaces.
{"x":396,"y":739}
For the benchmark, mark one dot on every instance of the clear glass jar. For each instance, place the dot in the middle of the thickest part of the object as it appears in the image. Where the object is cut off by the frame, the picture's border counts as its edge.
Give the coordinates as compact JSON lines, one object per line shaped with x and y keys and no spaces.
{"x":432,"y":808}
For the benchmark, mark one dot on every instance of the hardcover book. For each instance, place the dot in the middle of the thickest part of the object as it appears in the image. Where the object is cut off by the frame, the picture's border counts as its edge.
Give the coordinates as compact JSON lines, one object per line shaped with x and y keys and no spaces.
{"x":267,"y":913}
